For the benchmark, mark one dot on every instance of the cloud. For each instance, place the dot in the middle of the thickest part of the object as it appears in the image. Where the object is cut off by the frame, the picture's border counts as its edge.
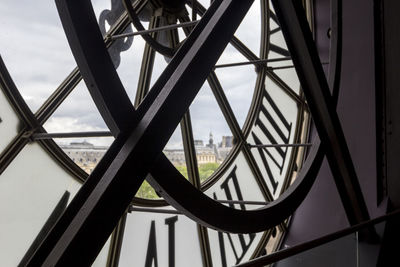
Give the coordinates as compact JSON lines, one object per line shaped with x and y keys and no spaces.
{"x":36,"y":52}
{"x":34,"y":48}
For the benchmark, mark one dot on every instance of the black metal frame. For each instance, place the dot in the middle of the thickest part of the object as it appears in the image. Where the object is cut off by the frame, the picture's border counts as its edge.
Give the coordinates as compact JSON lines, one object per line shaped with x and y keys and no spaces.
{"x":316,"y":90}
{"x":224,"y":105}
{"x":109,"y":114}
{"x":148,"y":114}
{"x":47,"y":109}
{"x":73,"y":10}
{"x":61,"y":250}
{"x":288,"y":252}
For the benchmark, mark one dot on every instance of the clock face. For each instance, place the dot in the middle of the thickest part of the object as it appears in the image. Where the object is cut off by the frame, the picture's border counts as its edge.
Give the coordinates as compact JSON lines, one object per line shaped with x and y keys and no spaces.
{"x":232,"y":143}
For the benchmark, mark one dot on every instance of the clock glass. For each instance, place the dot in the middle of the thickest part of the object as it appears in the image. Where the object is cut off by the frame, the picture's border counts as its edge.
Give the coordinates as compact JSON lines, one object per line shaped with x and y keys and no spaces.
{"x":241,"y":142}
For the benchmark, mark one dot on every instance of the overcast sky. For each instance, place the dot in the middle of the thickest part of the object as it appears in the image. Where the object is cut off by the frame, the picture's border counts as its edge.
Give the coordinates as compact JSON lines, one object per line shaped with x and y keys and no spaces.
{"x":36,"y":52}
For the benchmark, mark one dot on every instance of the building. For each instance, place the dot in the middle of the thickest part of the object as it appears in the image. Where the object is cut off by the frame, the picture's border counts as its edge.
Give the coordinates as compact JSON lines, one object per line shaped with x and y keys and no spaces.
{"x":87,"y":155}
{"x":84,"y":154}
{"x":209,"y":153}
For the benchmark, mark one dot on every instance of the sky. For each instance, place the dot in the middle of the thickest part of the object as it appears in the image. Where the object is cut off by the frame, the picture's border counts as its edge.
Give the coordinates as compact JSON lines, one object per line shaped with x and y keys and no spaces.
{"x":35,"y":50}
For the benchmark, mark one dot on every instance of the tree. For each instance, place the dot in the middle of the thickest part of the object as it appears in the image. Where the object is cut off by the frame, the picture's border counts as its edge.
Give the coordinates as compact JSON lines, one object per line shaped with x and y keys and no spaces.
{"x":205,"y":170}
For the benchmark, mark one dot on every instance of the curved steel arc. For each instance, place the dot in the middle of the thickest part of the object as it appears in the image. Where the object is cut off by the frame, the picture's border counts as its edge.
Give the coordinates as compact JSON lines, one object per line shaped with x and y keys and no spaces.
{"x":111,"y":187}
{"x":171,"y":184}
{"x":9,"y":88}
{"x":299,"y":40}
{"x":203,"y":209}
{"x":30,"y":125}
{"x":108,"y":192}
{"x":162,"y":49}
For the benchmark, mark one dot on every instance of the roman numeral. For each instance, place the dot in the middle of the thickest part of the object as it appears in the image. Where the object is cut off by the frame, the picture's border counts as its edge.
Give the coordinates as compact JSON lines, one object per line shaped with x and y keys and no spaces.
{"x":273,"y":16}
{"x":245,"y":240}
{"x":276,"y":48}
{"x":151,"y":255}
{"x":232,"y":179}
{"x":275,"y":19}
{"x":279,"y":132}
{"x":171,"y":239}
{"x":279,"y":50}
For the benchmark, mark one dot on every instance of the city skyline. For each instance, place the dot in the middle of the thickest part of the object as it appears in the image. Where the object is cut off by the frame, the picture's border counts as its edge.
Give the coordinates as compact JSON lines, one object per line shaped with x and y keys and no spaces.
{"x":71,"y":141}
{"x":38,"y":79}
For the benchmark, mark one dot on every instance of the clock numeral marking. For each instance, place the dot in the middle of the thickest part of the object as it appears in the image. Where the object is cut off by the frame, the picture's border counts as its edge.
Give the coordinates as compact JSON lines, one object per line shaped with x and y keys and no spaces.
{"x":275,"y":19}
{"x":171,"y":239}
{"x":284,"y":135}
{"x":225,"y":186}
{"x":279,"y":50}
{"x":275,"y":48}
{"x":151,"y":255}
{"x":273,"y":16}
{"x":245,"y":240}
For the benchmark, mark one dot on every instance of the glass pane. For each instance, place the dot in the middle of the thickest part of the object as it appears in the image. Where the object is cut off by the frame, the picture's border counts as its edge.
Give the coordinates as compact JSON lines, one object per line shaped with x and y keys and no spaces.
{"x":157,"y":238}
{"x":237,"y":183}
{"x":85,"y":152}
{"x":274,"y":240}
{"x":9,"y":122}
{"x":276,"y":124}
{"x":77,"y":113}
{"x":101,"y":260}
{"x":211,"y":133}
{"x":287,"y":73}
{"x":174,"y":152}
{"x":278,"y":48}
{"x":32,"y":189}
{"x":204,"y":3}
{"x":237,"y":178}
{"x":249,"y":31}
{"x":238,"y":84}
{"x":99,"y":6}
{"x":130,"y":63}
{"x":126,"y":53}
{"x":174,"y":149}
{"x":231,"y":55}
{"x":31,"y":33}
{"x":159,"y":65}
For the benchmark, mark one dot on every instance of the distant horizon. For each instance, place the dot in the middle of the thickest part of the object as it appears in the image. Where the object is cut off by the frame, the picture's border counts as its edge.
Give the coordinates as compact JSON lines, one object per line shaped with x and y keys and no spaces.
{"x":44,"y":38}
{"x":168,"y":146}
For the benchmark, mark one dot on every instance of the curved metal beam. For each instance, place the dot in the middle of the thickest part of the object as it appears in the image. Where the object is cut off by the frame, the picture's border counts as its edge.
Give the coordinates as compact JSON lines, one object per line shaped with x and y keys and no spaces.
{"x":299,"y":40}
{"x":94,"y":73}
{"x":206,"y":211}
{"x":170,"y":188}
{"x":114,"y":182}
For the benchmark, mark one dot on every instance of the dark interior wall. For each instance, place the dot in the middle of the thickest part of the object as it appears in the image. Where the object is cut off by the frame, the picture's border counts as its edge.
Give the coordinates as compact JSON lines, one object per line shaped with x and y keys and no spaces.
{"x":356,"y":107}
{"x":322,"y":212}
{"x":390,"y":88}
